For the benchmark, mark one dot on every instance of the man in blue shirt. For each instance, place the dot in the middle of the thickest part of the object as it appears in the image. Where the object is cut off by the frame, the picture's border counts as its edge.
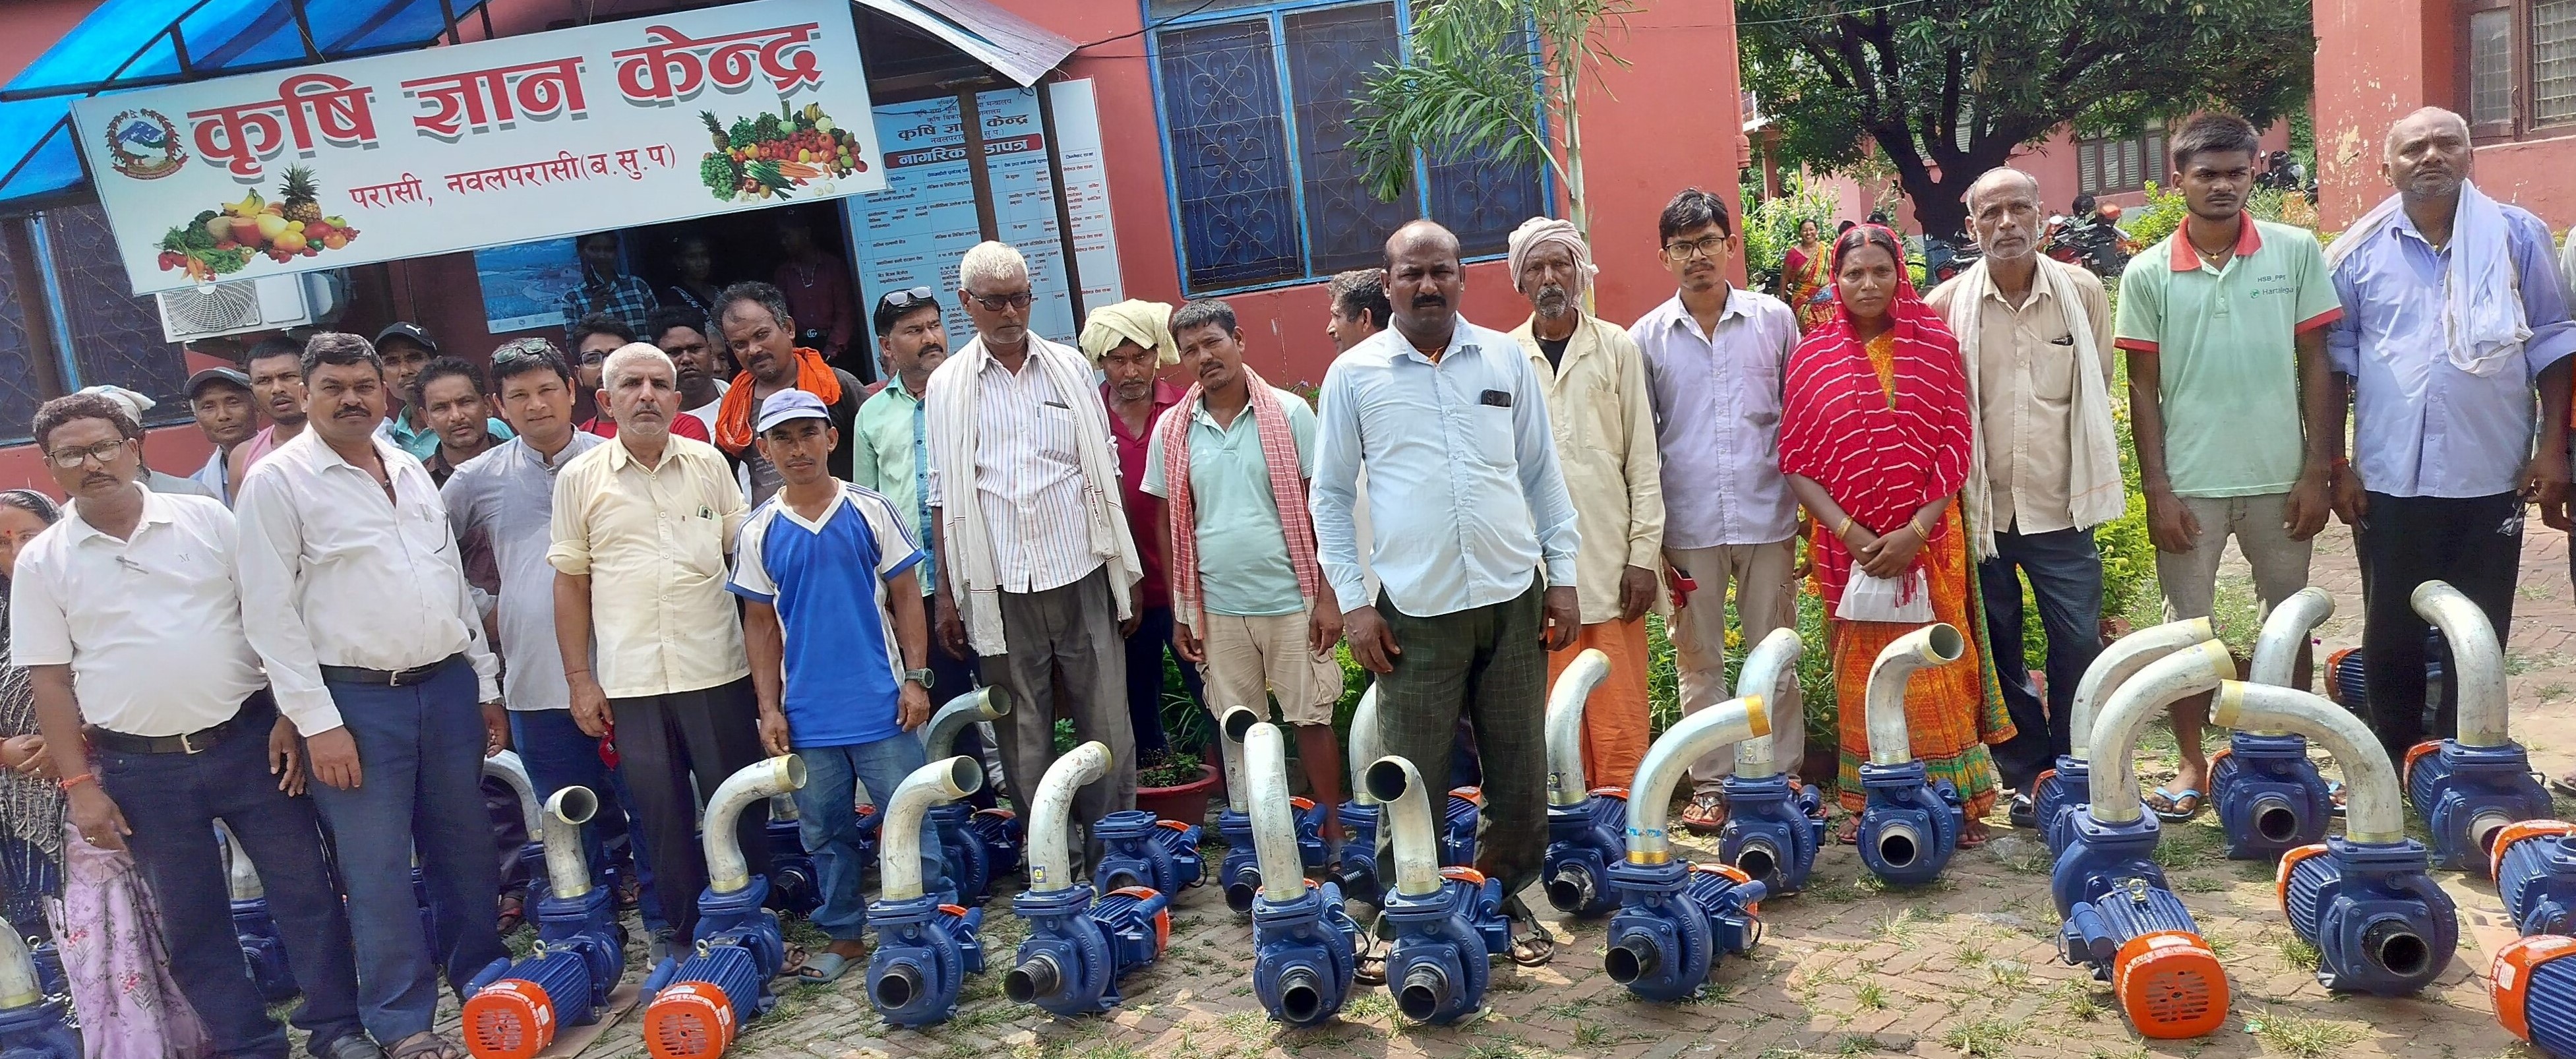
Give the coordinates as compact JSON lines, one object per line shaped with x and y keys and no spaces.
{"x":838,"y":645}
{"x":2453,"y":317}
{"x":1474,"y":549}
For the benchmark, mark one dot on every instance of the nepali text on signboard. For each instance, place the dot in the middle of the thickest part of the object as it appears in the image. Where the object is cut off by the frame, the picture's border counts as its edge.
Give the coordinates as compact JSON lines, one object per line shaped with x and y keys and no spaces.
{"x":444,"y":149}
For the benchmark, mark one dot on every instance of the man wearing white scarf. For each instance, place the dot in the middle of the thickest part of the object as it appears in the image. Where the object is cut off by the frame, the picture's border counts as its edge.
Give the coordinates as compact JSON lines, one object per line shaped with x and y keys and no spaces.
{"x":2045,"y":462}
{"x":2454,"y":320}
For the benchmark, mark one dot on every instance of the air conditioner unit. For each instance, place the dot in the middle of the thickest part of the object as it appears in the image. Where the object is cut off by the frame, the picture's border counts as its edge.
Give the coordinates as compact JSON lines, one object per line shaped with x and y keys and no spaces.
{"x":269,"y":303}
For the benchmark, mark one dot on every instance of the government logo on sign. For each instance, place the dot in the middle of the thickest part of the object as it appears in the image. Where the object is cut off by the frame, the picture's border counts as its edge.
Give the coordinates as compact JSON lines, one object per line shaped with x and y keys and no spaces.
{"x":144,"y":145}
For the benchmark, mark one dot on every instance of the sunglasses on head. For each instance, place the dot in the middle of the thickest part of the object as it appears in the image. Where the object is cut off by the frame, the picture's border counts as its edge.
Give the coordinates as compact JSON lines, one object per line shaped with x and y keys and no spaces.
{"x":905,"y":300}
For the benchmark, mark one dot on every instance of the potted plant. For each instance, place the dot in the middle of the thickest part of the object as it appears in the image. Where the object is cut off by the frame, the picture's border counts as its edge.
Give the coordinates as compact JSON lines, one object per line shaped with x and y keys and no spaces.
{"x":1176,"y":786}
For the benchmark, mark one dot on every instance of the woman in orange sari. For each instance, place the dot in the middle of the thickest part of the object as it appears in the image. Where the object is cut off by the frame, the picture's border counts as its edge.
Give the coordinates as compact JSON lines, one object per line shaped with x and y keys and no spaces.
{"x":1874,"y":440}
{"x":1806,"y":278}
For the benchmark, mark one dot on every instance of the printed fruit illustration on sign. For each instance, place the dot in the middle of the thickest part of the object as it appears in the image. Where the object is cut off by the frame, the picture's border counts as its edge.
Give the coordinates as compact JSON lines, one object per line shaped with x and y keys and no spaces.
{"x":220,"y":242}
{"x":764,"y":156}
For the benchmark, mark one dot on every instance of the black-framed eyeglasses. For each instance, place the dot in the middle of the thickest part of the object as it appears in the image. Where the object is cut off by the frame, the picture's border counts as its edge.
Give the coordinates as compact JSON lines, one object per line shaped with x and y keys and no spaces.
{"x":70,"y":458}
{"x":994,"y":303}
{"x":1706,"y":246}
{"x":906,"y":300}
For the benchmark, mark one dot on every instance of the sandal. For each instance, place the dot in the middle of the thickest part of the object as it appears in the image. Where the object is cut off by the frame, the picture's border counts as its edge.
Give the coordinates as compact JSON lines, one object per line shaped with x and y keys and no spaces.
{"x":514,"y":913}
{"x":2174,"y":811}
{"x":1975,"y":835}
{"x":1848,"y":834}
{"x":1532,"y":945}
{"x":1369,"y":966}
{"x":823,"y":967}
{"x":2334,"y":799}
{"x":2021,"y":813}
{"x":1706,"y":813}
{"x":425,"y":1045}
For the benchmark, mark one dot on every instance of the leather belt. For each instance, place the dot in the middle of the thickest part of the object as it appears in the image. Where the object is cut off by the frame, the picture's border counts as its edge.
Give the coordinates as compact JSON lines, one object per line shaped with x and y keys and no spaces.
{"x":255,"y":714}
{"x":385,"y":678}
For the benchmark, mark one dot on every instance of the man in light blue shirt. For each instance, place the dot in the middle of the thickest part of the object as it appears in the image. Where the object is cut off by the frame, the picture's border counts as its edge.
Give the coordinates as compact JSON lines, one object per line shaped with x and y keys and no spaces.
{"x":2453,"y":317}
{"x":1474,"y":544}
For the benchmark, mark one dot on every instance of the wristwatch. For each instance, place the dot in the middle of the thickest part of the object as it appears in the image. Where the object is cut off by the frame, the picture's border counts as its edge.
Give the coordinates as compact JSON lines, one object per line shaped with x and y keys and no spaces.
{"x":918,"y":676}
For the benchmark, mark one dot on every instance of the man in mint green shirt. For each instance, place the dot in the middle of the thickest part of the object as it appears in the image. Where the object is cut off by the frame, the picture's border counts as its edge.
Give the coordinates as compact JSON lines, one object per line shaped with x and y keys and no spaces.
{"x":888,"y":456}
{"x":2224,"y":326}
{"x":1243,"y":605}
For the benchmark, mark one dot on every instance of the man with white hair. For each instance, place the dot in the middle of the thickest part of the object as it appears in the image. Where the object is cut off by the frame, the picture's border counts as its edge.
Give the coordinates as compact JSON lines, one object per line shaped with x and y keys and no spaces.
{"x":1604,"y":423}
{"x":652,"y":647}
{"x":2453,"y":317}
{"x":1037,"y":567}
{"x":2044,"y":464}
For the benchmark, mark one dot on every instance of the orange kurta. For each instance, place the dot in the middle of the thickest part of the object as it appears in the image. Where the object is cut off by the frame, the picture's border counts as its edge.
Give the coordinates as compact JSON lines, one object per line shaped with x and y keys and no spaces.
{"x":1615,"y":718}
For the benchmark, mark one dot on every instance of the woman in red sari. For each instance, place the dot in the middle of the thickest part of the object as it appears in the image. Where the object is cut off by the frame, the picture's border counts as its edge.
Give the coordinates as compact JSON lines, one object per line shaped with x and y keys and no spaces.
{"x":1874,"y":438}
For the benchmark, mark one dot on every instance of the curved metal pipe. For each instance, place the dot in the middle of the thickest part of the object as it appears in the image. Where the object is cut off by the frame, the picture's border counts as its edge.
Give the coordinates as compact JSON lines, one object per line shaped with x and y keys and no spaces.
{"x":1050,"y":836}
{"x":2372,"y":810}
{"x":2119,"y":662}
{"x":2476,"y":658}
{"x":1274,"y":826}
{"x":1366,"y":747}
{"x":2140,"y":700}
{"x":567,"y":870}
{"x":899,"y":835}
{"x":513,"y":773}
{"x":1650,"y":797}
{"x":726,"y":872}
{"x":1396,"y":784}
{"x":1229,"y":736}
{"x":2276,"y":650}
{"x":982,"y":704}
{"x":1937,"y":644}
{"x":18,"y":985}
{"x":241,"y":877}
{"x":1769,"y":667}
{"x":1566,"y":784}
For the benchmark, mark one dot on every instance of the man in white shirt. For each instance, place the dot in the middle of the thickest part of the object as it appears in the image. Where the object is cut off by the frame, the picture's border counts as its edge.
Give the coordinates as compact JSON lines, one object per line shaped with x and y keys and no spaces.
{"x":129,"y":590}
{"x":357,"y":603}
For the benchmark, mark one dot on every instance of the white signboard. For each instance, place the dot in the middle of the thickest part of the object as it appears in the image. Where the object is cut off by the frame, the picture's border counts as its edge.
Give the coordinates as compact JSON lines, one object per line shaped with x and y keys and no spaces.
{"x":680,"y":115}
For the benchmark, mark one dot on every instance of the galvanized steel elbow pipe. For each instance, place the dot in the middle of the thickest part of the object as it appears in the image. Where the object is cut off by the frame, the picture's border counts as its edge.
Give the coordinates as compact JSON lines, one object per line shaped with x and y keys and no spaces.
{"x":2119,"y":662}
{"x":18,"y":985}
{"x":2276,"y":651}
{"x":1937,"y":644}
{"x":2140,"y":700}
{"x":1051,"y":815}
{"x":1366,"y":747}
{"x":899,"y":836}
{"x":241,"y":877}
{"x":2476,"y":658}
{"x":513,"y":773}
{"x":1698,"y":735}
{"x":2372,"y":813}
{"x":1274,"y":826}
{"x":1230,"y":730}
{"x":1566,"y":784}
{"x":726,"y":872}
{"x":982,"y":704}
{"x":567,"y":871}
{"x":1395,"y":783}
{"x":1769,"y":667}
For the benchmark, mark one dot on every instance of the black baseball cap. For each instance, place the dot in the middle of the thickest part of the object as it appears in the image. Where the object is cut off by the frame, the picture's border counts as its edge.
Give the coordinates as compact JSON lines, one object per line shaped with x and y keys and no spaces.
{"x":233,"y":377}
{"x":408,"y":331}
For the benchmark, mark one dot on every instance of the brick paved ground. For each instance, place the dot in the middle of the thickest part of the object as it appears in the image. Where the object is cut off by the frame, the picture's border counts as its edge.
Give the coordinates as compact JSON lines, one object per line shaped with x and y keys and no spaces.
{"x":1964,"y":967}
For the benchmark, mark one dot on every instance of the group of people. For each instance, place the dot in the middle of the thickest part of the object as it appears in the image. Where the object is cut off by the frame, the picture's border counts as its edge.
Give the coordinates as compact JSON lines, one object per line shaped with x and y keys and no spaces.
{"x":643,"y":612}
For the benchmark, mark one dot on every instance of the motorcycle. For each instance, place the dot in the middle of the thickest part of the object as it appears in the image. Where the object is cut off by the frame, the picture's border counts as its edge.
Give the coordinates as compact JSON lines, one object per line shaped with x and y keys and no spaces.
{"x":2284,"y":173}
{"x":1947,"y":257}
{"x":2092,"y":239}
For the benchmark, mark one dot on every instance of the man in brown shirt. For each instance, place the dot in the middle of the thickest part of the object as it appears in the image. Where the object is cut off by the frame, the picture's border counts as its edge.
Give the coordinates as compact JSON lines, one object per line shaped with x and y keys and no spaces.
{"x":2036,"y":334}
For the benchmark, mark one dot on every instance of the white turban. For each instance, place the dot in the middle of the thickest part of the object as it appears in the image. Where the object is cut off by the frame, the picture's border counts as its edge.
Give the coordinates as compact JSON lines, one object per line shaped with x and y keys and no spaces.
{"x":1538,"y":232}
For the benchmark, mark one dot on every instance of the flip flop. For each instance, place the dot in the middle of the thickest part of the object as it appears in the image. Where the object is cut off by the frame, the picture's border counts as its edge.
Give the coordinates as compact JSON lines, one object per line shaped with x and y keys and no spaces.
{"x":1975,"y":835}
{"x":823,"y":967}
{"x":1848,"y":833}
{"x":2334,"y":799}
{"x":2173,"y":812}
{"x":2021,"y":813}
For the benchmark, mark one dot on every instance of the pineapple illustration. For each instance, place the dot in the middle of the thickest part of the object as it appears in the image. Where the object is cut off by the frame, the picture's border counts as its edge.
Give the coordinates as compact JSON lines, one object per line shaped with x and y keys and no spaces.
{"x":715,"y":130}
{"x":297,"y":195}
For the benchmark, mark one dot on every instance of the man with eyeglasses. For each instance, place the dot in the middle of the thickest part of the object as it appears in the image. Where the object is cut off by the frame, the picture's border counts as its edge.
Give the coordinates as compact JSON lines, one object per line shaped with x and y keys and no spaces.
{"x":130,"y":588}
{"x":1714,"y":354}
{"x":761,"y":334}
{"x":1036,"y":563}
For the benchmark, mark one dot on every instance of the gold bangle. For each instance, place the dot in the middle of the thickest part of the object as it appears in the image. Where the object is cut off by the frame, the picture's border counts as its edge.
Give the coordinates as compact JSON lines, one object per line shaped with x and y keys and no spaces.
{"x":1916,"y":522}
{"x":1845,"y":529}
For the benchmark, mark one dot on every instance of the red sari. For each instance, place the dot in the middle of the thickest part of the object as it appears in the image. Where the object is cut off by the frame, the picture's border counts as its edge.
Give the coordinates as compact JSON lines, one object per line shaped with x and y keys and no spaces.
{"x":1883,"y":425}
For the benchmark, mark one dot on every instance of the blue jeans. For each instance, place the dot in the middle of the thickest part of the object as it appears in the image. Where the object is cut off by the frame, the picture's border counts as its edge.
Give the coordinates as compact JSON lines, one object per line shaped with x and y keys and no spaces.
{"x":559,"y":755}
{"x":171,"y":801}
{"x":828,"y":821}
{"x":1145,"y":648}
{"x":420,"y":750}
{"x":2065,"y":574}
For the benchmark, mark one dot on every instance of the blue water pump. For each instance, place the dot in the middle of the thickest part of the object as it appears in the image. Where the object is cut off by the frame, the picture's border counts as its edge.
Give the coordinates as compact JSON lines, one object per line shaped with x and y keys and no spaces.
{"x":1240,"y":875}
{"x":2139,"y":937}
{"x":980,"y":846}
{"x":1773,"y":828}
{"x":2269,"y":797}
{"x":2057,"y":791}
{"x":1447,"y":921}
{"x":701,"y":1002}
{"x":2533,"y":987}
{"x":1582,"y":823}
{"x":1676,"y":920}
{"x":1139,"y":849}
{"x":1078,"y":946}
{"x":1910,"y":824}
{"x":513,"y":1009}
{"x":1303,"y":943}
{"x":795,"y":884}
{"x":1460,"y":819}
{"x":262,"y":949}
{"x":2535,"y":874}
{"x":2467,"y":789}
{"x":2364,"y":899}
{"x":925,"y":948}
{"x":31,"y":1026}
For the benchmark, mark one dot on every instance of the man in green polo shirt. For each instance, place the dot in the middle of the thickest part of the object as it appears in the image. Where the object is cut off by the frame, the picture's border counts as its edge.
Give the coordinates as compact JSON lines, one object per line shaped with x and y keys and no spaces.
{"x":888,"y":456}
{"x":2224,"y":326}
{"x":1241,"y":549}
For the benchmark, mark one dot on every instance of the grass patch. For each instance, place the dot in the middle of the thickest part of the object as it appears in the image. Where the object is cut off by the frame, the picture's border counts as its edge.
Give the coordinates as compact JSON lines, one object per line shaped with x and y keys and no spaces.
{"x":2297,"y":952}
{"x":2302,"y":1037}
{"x":2009,"y":974}
{"x":2200,"y":884}
{"x":1495,"y":1050}
{"x":1985,"y":1036}
{"x":1899,"y":926}
{"x":1871,"y":996}
{"x":1972,"y":954}
{"x":1593,"y":1035}
{"x":2079,"y":1002}
{"x":1369,"y":1005}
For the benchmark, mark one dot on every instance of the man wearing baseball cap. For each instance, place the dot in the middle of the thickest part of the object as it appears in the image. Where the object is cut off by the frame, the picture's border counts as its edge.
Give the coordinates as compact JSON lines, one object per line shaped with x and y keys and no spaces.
{"x":221,"y":400}
{"x":135,"y":405}
{"x":839,"y":649}
{"x":407,"y":349}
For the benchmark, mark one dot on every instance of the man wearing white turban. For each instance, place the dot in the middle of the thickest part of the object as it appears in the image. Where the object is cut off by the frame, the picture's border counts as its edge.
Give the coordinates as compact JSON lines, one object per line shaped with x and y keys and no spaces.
{"x":1131,"y":342}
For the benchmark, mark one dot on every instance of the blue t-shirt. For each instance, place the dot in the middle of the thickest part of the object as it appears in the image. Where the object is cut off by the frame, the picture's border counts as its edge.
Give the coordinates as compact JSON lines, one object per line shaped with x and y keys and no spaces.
{"x":828,"y":580}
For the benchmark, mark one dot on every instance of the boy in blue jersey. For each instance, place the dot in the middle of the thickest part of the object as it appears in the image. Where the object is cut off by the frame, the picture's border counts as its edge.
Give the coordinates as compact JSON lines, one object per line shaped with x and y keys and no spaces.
{"x":838,"y":646}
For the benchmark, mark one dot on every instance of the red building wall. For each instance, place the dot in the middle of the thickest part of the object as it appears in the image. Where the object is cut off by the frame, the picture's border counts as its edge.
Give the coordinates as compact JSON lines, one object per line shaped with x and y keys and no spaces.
{"x":2386,"y":58}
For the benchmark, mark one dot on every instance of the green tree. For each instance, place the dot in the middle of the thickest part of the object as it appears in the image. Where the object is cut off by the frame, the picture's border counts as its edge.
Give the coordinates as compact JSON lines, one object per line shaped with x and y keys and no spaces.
{"x":1476,"y":81}
{"x":1947,"y":89}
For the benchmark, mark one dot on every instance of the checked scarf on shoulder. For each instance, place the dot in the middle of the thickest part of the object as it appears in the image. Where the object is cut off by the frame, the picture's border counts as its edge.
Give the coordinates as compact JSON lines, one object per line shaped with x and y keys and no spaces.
{"x":1279,"y":452}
